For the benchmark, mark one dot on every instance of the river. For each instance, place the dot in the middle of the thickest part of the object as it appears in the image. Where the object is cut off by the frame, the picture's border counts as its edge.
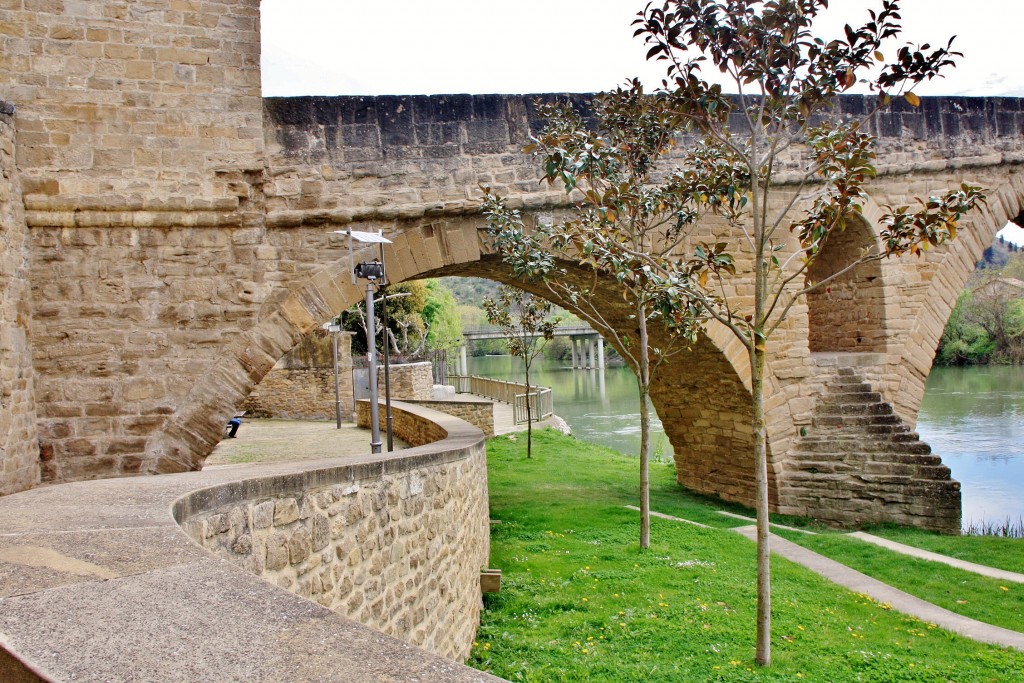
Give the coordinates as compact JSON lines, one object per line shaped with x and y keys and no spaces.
{"x":972,"y":417}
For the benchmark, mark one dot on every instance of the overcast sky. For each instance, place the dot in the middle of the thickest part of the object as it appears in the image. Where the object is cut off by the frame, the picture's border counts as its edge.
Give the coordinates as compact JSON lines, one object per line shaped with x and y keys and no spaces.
{"x":405,"y":47}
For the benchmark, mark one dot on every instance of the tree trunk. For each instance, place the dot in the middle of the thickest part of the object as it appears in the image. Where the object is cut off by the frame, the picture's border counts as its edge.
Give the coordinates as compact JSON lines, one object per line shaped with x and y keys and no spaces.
{"x":529,"y":416}
{"x":644,"y":384}
{"x":763,"y":656}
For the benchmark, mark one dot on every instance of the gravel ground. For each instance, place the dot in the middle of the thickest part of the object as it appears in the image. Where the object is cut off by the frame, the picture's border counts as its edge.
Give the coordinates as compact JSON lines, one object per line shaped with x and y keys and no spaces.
{"x":293,"y":440}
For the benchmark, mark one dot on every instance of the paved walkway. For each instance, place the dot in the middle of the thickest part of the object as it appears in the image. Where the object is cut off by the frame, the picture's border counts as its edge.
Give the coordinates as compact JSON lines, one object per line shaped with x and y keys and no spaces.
{"x":898,"y":600}
{"x":990,"y":572}
{"x":886,"y":594}
{"x":504,"y":421}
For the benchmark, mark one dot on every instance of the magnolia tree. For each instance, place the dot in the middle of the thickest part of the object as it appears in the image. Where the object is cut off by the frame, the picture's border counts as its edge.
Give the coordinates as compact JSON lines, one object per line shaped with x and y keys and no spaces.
{"x":528,"y":324}
{"x":773,"y":162}
{"x":625,"y":221}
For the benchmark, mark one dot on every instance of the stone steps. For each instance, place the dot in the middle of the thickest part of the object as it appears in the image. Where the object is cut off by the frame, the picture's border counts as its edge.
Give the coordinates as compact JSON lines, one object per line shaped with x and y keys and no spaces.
{"x":858,"y":456}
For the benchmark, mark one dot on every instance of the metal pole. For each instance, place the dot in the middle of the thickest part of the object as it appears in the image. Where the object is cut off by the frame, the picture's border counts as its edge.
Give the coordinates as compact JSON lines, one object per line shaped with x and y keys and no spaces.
{"x":371,"y":343}
{"x":387,"y":368}
{"x":337,"y":379}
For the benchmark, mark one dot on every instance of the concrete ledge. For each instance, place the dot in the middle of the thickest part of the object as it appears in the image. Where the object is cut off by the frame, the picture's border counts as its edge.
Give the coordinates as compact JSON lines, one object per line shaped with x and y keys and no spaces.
{"x":98,"y":582}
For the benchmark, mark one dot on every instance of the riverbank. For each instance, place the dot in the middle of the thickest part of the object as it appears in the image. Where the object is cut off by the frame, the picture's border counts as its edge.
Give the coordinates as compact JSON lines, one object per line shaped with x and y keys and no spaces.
{"x":581,"y":602}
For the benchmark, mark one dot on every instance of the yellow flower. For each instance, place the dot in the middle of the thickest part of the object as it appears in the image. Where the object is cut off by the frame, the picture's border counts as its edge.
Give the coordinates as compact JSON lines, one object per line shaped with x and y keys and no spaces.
{"x":1003,"y":588}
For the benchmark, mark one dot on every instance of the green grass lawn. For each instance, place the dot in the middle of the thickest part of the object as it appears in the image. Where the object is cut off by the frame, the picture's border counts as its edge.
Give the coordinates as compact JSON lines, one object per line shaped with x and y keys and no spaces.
{"x":581,"y":602}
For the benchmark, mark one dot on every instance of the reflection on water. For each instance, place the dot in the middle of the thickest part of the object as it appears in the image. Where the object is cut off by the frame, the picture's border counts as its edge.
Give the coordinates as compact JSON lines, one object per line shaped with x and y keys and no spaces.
{"x":972,"y":417}
{"x":600,"y":407}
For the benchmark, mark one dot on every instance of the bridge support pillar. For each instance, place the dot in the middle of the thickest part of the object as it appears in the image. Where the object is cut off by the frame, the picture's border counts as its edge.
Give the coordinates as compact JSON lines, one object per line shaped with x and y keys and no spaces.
{"x":590,"y":350}
{"x":600,"y":353}
{"x":572,"y":345}
{"x":463,"y":366}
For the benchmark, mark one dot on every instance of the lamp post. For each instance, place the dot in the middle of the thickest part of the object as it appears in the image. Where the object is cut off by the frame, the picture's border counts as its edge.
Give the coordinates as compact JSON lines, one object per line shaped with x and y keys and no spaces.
{"x":389,"y":419}
{"x":373,"y":272}
{"x":334,"y":328}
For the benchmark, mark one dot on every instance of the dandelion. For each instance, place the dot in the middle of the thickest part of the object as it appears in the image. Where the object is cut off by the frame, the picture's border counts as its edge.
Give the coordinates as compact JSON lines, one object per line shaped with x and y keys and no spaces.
{"x":1003,"y":588}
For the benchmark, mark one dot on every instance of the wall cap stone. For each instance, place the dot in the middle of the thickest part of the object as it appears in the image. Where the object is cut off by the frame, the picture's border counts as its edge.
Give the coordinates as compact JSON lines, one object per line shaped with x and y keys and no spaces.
{"x":142,"y":566}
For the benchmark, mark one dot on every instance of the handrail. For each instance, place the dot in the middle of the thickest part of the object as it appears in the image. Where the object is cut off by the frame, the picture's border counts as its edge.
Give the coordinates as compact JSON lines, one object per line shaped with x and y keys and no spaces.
{"x":541,"y":405}
{"x":513,"y":393}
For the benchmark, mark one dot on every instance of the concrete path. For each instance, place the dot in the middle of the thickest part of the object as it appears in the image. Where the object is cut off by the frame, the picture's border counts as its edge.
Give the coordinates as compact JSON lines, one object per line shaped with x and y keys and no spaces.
{"x":910,"y":550}
{"x":504,"y":421}
{"x":662,"y":515}
{"x":884,"y":593}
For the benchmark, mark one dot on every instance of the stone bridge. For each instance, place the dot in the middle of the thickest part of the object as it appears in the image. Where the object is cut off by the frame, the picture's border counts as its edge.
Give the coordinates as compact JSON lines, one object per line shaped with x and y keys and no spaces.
{"x":167,"y":236}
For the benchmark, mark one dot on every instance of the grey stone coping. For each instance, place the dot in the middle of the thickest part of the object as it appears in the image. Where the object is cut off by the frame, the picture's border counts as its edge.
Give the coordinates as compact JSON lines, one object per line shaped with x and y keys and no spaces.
{"x":99,"y":583}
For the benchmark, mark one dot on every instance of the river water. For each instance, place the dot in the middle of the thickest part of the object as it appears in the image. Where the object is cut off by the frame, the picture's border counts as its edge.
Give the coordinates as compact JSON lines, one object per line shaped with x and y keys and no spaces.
{"x":972,"y":417}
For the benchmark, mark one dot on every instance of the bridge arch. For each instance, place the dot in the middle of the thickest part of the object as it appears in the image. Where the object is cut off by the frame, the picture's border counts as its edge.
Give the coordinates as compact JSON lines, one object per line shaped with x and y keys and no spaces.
{"x":927,"y":306}
{"x":701,"y":397}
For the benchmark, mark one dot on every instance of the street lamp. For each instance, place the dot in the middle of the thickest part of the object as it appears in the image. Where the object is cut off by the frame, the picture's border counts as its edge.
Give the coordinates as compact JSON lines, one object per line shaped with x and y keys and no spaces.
{"x":374,"y":274}
{"x":334,"y":328}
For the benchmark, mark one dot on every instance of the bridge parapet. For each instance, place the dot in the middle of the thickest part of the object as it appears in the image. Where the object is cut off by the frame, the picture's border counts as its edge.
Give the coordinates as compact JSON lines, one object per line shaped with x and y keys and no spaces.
{"x":344,"y":159}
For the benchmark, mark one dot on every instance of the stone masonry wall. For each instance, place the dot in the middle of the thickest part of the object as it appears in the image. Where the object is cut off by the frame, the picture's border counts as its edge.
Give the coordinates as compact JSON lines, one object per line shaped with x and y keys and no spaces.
{"x":19,"y":445}
{"x":412,"y":381}
{"x":408,"y":426}
{"x":144,"y":107}
{"x":397,"y":546}
{"x":480,"y":414}
{"x":301,"y":394}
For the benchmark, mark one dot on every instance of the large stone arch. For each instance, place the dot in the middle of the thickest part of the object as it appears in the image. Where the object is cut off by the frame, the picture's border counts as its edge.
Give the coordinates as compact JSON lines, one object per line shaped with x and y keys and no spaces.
{"x":921,"y":291}
{"x":701,"y":396}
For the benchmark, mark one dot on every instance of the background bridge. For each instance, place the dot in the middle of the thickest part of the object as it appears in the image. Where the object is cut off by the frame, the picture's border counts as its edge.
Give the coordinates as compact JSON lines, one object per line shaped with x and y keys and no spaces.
{"x":587,"y":345}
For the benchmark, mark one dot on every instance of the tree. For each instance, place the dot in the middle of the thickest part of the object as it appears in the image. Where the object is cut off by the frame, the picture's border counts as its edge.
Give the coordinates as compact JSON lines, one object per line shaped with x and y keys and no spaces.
{"x":772,"y":162}
{"x":624,"y":219}
{"x":527,"y":322}
{"x":442,"y":317}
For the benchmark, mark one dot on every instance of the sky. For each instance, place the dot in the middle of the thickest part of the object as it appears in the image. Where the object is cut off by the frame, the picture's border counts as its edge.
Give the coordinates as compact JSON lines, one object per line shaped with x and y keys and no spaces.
{"x":419,"y":47}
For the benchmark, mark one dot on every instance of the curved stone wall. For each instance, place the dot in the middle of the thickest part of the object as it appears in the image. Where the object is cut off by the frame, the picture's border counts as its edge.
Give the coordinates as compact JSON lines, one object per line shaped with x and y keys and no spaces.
{"x":397,"y":545}
{"x":100,"y":583}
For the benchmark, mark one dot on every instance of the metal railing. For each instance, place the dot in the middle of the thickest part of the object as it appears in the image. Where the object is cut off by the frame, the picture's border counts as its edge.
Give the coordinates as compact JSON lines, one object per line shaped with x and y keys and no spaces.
{"x":513,"y":393}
